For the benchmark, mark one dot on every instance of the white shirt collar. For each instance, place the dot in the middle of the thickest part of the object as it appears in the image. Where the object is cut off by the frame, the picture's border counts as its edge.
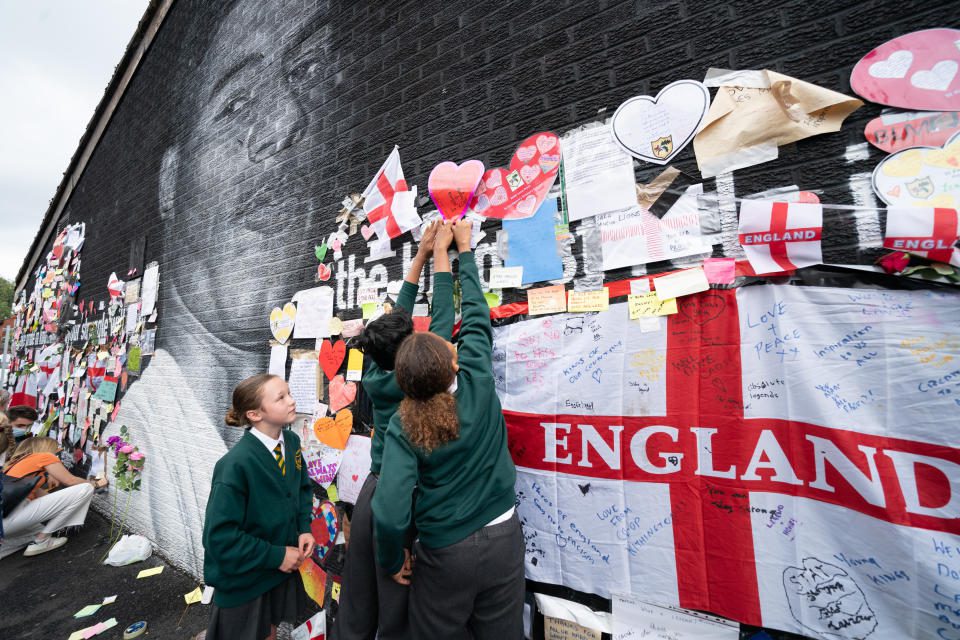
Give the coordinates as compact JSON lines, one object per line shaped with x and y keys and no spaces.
{"x":269,"y":442}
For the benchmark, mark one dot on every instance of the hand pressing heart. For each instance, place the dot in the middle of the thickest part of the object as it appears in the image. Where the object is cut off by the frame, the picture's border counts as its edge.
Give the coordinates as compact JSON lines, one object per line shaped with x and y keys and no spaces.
{"x":451,"y":186}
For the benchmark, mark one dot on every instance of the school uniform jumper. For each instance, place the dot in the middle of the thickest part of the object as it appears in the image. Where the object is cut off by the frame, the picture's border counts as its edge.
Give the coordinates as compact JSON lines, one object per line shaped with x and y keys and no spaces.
{"x":468,"y":576}
{"x":369,"y":598}
{"x":254,"y":512}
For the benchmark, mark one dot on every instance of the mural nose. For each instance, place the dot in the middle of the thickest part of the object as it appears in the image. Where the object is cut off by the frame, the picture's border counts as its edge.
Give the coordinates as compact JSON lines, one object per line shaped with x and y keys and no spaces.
{"x":274,"y":133}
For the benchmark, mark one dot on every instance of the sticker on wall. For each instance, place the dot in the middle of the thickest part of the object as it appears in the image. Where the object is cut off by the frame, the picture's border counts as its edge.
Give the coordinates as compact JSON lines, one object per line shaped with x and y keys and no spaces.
{"x":918,"y":70}
{"x":920,"y":176}
{"x":896,"y":131}
{"x":282,"y":321}
{"x":657,"y":129}
{"x":451,"y":186}
{"x":927,"y":232}
{"x":519,"y":190}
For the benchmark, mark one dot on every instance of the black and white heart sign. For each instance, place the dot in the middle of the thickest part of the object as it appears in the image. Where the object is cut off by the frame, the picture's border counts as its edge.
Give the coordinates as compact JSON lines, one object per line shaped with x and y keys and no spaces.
{"x":657,"y":129}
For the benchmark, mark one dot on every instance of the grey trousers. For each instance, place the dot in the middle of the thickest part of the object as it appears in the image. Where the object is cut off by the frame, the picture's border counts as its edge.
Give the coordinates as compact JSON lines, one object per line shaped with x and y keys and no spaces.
{"x":369,"y":598}
{"x":471,"y":589}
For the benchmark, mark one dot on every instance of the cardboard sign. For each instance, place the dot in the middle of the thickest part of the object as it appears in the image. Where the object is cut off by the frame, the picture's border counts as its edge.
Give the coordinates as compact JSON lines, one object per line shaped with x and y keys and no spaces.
{"x":914,"y":71}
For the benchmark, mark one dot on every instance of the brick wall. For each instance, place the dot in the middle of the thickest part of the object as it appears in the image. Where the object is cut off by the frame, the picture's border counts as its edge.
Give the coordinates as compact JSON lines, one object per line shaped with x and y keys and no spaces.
{"x":248,"y":122}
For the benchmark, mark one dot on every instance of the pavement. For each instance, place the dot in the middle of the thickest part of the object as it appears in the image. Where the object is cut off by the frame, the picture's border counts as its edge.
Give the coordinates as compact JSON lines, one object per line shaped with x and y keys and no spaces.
{"x":41,"y":594}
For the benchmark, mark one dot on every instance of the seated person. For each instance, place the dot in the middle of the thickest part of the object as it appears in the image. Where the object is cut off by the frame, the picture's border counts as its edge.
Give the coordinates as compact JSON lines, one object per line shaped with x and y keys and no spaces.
{"x":33,"y":522}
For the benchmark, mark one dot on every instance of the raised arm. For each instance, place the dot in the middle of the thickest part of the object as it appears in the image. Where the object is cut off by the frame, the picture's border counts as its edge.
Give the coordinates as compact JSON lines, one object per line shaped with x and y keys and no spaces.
{"x":411,"y":281}
{"x":393,"y":501}
{"x":442,"y":315}
{"x":476,"y":333}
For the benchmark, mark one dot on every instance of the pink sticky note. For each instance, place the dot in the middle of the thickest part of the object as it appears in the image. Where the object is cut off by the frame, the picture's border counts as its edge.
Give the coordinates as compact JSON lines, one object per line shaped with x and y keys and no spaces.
{"x":720,"y":270}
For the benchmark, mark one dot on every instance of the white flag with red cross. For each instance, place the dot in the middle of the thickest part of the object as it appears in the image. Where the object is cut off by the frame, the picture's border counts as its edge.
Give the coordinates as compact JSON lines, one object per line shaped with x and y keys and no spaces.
{"x":390,"y":207}
{"x":781,"y":236}
{"x":926,"y":231}
{"x":782,"y":456}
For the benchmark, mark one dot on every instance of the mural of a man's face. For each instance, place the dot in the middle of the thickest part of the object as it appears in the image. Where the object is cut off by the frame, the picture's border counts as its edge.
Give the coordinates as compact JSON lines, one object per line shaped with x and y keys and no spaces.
{"x":242,"y":194}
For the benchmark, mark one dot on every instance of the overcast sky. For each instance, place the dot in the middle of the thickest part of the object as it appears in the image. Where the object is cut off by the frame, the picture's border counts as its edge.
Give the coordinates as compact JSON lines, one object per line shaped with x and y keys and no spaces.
{"x":56,"y":57}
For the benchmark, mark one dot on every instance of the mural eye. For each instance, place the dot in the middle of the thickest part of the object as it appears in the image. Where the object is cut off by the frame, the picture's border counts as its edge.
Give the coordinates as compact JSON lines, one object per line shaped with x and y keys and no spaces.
{"x":303,"y":72}
{"x":233,"y":106}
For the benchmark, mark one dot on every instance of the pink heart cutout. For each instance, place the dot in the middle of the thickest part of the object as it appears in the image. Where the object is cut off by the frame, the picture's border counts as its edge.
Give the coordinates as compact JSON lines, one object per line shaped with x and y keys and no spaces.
{"x":323,"y":272}
{"x":452,"y":186}
{"x":919,"y":70}
{"x":341,"y":393}
{"x":366,"y":231}
{"x":524,"y":179}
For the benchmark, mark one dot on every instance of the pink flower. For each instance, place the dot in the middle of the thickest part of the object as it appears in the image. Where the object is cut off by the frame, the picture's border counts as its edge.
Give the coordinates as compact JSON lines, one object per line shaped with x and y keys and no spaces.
{"x":136,"y":455}
{"x":126,"y":449}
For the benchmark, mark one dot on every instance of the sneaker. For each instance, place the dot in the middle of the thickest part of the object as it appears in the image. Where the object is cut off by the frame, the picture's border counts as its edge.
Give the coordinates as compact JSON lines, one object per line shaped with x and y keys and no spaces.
{"x":51,"y":543}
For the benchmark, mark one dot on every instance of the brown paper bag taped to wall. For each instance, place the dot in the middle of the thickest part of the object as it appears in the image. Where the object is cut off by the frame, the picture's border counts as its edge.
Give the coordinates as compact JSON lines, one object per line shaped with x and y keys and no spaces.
{"x":754,"y":112}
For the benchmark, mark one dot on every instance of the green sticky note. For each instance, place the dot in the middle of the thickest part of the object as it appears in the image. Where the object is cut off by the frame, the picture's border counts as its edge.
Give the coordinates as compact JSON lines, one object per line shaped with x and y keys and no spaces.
{"x":369,"y":309}
{"x":332,"y":494}
{"x":493,"y":300}
{"x":320,"y":251}
{"x":133,"y":360}
{"x":88,"y":610}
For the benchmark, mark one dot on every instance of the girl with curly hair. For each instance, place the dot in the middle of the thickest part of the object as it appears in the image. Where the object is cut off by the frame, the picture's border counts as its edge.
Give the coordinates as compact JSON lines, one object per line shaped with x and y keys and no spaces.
{"x":447,"y":444}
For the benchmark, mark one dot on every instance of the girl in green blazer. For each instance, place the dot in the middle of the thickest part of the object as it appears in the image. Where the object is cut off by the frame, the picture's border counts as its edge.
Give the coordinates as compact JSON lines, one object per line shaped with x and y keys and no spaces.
{"x":257,"y":528}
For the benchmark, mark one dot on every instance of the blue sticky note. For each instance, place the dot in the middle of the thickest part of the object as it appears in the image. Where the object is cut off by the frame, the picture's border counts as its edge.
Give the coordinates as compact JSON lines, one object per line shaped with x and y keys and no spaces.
{"x":532,"y":244}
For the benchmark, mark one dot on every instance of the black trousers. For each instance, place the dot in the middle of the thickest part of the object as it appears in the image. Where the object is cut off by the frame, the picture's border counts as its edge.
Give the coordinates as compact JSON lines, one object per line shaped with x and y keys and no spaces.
{"x":470,"y":589}
{"x":369,"y":598}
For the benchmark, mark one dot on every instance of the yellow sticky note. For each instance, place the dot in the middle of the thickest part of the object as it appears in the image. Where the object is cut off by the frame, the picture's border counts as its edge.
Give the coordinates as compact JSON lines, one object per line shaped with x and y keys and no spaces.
{"x":146,"y":573}
{"x":193,"y":597}
{"x":648,"y":304}
{"x":493,"y":300}
{"x":547,"y":300}
{"x":332,"y":494}
{"x":369,"y":309}
{"x":354,"y":364}
{"x":581,"y":301}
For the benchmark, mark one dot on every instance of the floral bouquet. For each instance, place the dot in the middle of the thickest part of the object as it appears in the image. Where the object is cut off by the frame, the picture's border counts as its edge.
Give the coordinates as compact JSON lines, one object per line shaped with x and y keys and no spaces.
{"x":127,"y":470}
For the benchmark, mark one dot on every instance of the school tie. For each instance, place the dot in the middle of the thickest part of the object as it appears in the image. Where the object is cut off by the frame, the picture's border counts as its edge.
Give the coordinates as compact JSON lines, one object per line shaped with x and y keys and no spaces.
{"x":278,"y":453}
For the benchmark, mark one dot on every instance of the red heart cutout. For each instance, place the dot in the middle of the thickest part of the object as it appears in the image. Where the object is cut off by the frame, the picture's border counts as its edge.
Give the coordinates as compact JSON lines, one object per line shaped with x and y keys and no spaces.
{"x":323,"y":272}
{"x":451,"y":186}
{"x":341,"y":393}
{"x":331,"y":357}
{"x":519,"y":190}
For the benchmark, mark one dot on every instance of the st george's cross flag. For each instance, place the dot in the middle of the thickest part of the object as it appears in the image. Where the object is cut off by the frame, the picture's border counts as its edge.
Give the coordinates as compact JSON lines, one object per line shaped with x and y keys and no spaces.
{"x":389,"y":205}
{"x":780,"y":236}
{"x":925,"y":231}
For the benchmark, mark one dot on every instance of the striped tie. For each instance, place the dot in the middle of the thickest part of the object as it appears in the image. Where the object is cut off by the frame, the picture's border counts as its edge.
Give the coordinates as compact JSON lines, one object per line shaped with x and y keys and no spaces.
{"x":278,"y":453}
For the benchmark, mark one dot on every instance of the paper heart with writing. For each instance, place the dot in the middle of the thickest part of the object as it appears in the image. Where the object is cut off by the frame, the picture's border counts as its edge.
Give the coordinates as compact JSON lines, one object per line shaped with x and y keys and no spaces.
{"x":519,"y":190}
{"x":334,"y":432}
{"x":898,"y":131}
{"x":657,"y":129}
{"x":325,"y":527}
{"x":920,"y":176}
{"x":331,"y":357}
{"x":451,"y":186}
{"x":282,"y":321}
{"x":917,"y":70}
{"x":341,"y":393}
{"x":323,"y":272}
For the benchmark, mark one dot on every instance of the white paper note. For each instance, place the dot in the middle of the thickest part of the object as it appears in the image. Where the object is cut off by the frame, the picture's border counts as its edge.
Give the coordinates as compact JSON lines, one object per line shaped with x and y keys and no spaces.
{"x":505,"y":277}
{"x":681,"y":283}
{"x":633,"y":618}
{"x":148,"y":288}
{"x":314,"y":310}
{"x":354,"y":467}
{"x":598,"y":174}
{"x":303,"y":380}
{"x":278,"y":360}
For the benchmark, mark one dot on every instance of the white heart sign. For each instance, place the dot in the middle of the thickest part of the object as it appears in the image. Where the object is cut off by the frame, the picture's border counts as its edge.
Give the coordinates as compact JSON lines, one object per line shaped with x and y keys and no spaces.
{"x":657,"y":129}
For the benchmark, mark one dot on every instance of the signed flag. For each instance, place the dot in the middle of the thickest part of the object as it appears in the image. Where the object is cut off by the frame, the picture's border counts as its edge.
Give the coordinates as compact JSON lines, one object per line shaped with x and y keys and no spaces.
{"x":780,"y":236}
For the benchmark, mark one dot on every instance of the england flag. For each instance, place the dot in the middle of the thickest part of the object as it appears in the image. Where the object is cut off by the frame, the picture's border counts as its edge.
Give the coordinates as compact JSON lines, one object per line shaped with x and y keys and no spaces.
{"x":390,"y":207}
{"x":780,"y":236}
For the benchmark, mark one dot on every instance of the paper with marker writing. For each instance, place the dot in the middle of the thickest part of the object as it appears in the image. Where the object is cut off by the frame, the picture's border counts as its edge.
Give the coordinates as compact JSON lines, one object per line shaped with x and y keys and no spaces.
{"x":354,"y":467}
{"x":352,"y":328}
{"x":648,"y":304}
{"x":314,"y":311}
{"x":558,"y":629}
{"x":88,"y":610}
{"x":681,"y":283}
{"x":597,"y":174}
{"x":146,"y":573}
{"x":583,"y":301}
{"x":547,"y":300}
{"x":720,"y":270}
{"x":505,"y":277}
{"x":532,"y":244}
{"x":633,"y":618}
{"x":278,"y":360}
{"x":355,"y":364}
{"x":303,"y":378}
{"x":575,"y":612}
{"x":193,"y":597}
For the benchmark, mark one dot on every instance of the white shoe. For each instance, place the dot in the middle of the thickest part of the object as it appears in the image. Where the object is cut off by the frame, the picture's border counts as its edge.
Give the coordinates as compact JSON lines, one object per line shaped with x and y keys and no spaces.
{"x":51,"y":543}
